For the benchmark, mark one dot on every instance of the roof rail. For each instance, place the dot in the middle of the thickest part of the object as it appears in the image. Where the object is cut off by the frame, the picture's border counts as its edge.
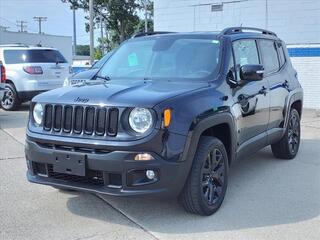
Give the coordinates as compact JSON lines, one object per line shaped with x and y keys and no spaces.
{"x":142,"y":34}
{"x":233,"y":30}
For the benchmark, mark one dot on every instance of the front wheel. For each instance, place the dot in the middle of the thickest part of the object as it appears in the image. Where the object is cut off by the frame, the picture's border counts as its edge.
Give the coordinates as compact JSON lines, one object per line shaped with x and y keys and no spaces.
{"x":206,"y":185}
{"x":288,"y":146}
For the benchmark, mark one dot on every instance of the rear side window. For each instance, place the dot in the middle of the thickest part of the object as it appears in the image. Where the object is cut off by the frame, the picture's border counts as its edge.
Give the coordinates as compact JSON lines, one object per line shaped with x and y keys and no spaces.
{"x":245,"y":52}
{"x":33,"y":56}
{"x":269,"y":56}
{"x":282,"y":58}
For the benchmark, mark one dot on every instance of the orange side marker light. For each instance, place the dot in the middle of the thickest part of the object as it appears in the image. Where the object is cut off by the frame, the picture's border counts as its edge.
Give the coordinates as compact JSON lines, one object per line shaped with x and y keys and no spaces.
{"x":166,"y":117}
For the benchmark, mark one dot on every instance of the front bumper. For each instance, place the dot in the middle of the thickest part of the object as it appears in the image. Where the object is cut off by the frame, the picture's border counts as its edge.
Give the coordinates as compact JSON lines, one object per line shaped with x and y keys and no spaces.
{"x":112,"y":172}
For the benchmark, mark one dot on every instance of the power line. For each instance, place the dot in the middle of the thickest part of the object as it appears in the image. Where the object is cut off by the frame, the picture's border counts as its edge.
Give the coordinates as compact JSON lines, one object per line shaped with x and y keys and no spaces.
{"x":40,"y":20}
{"x":22,"y":25}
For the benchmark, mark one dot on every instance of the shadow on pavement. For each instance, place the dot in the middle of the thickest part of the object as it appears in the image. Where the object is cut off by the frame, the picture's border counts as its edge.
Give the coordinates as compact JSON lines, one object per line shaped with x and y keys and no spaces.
{"x":15,"y":119}
{"x":263,"y":191}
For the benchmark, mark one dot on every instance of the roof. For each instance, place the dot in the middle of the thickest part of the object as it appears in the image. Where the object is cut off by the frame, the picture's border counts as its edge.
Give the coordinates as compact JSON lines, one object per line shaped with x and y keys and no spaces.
{"x":23,"y":46}
{"x":231,"y":31}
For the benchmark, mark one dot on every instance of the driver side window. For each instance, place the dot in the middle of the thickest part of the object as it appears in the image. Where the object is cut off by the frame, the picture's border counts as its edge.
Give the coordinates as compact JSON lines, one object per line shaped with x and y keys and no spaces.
{"x":245,"y":52}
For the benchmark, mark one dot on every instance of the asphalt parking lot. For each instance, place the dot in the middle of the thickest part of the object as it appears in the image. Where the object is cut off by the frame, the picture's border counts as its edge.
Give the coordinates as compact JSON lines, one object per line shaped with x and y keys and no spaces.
{"x":267,"y":199}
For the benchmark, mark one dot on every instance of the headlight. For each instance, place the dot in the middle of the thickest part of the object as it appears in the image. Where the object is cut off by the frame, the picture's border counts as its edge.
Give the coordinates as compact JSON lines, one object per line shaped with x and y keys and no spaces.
{"x":38,"y":113}
{"x":66,"y":82}
{"x":140,"y":120}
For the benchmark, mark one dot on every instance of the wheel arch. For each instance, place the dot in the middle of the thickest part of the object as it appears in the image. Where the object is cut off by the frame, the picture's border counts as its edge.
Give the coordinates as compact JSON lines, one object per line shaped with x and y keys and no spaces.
{"x":298,"y":106}
{"x":295,"y":100}
{"x":219,"y":125}
{"x":10,"y":82}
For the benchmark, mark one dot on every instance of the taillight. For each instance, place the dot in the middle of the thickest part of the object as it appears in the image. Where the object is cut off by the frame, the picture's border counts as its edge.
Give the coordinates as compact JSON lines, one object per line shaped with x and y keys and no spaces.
{"x":33,"y":69}
{"x":3,"y":74}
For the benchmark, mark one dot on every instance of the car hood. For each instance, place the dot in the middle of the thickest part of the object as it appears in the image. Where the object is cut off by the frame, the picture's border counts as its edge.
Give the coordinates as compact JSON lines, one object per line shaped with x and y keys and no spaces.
{"x":87,"y":74}
{"x":119,"y":93}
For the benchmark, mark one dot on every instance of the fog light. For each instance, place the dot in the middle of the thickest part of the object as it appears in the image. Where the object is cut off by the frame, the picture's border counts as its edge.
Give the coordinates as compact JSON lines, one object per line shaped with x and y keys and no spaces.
{"x":150,"y":174}
{"x":143,"y":157}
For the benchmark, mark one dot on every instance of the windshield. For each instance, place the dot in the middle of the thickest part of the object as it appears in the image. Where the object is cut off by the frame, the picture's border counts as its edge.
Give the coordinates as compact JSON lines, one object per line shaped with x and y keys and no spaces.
{"x":166,"y":57}
{"x":33,"y":56}
{"x":105,"y":58}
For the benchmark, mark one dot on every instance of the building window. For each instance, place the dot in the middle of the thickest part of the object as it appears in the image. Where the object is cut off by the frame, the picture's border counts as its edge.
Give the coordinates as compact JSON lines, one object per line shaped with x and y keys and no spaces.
{"x":216,"y":7}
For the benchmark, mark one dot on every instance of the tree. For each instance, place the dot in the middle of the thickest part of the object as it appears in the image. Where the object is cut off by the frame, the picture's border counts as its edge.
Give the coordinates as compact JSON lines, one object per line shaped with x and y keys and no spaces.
{"x":97,"y":54}
{"x":140,"y":26}
{"x":83,"y":50}
{"x":120,"y":18}
{"x":147,"y":6}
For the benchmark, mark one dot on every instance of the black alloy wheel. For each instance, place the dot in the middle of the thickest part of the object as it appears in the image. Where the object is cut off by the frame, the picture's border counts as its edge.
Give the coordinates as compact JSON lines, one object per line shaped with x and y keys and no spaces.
{"x":206,"y":186}
{"x":213,"y":176}
{"x":288,"y":146}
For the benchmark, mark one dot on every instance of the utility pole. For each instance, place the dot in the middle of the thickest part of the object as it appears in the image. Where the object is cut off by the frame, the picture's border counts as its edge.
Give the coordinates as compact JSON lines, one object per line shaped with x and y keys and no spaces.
{"x":40,"y":20}
{"x":22,"y":25}
{"x":101,"y":35}
{"x":267,"y":15}
{"x":145,"y":16}
{"x":74,"y":30}
{"x":91,"y":30}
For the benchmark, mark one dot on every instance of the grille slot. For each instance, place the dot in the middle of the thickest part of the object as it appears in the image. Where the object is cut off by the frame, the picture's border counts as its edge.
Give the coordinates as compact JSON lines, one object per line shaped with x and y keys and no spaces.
{"x":57,"y":118}
{"x":67,"y":123}
{"x":113,"y":121}
{"x":81,"y":119}
{"x":89,"y":122}
{"x":101,"y":121}
{"x":48,"y":117}
{"x":73,"y":148}
{"x":78,"y":116}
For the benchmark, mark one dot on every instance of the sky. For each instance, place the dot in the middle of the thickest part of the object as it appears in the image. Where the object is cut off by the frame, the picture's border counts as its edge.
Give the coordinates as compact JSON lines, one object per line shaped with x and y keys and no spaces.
{"x":59,"y":17}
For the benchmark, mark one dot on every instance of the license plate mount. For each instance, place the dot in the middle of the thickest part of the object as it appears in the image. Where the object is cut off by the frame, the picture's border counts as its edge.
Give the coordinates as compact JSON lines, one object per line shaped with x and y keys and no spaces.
{"x":70,"y":163}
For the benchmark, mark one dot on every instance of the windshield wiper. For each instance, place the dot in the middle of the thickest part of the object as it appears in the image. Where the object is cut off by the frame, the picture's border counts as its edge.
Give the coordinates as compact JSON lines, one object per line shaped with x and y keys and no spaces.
{"x":106,"y":78}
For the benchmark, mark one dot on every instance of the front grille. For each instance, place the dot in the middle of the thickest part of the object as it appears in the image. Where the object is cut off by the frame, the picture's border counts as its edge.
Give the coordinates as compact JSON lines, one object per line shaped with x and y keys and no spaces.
{"x":81,"y":120}
{"x":92,"y":177}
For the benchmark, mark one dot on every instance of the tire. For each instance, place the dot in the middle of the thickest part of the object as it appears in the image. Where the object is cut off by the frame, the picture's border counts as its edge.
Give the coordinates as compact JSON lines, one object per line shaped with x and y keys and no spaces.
{"x":10,"y":101}
{"x":288,"y":146}
{"x":206,"y":186}
{"x":64,"y":189}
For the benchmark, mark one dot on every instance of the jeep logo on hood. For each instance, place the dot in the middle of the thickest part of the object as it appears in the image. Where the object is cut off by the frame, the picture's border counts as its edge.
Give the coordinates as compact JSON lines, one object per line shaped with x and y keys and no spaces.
{"x":82,"y":100}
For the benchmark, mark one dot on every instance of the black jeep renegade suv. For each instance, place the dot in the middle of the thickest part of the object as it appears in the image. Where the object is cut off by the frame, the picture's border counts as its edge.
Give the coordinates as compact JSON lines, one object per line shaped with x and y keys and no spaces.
{"x":167,"y":116}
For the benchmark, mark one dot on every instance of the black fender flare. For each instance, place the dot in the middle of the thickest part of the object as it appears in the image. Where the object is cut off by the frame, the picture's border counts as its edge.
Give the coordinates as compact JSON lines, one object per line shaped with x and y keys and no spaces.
{"x":295,"y":95}
{"x":202,"y":125}
{"x":193,"y":137}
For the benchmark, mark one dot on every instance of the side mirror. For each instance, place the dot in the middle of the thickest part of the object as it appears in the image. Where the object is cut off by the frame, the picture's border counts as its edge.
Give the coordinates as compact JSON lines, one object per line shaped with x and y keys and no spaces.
{"x":251,"y":72}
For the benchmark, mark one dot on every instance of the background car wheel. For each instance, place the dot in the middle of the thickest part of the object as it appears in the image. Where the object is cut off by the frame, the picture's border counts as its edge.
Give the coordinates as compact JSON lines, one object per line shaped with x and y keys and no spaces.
{"x":288,"y":146}
{"x":206,"y":185}
{"x":10,"y":99}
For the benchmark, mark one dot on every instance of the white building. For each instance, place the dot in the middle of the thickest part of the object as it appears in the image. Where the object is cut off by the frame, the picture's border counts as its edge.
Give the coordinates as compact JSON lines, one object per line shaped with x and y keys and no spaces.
{"x":297,"y":22}
{"x":62,"y":43}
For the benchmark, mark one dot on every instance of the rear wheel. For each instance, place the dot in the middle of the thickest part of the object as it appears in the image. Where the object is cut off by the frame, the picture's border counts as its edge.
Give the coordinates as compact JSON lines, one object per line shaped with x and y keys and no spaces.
{"x":206,"y":185}
{"x":10,"y":99}
{"x":288,"y":146}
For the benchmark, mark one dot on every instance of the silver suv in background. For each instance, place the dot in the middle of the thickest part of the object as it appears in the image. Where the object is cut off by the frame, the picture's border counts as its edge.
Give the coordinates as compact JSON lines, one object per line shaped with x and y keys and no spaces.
{"x":30,"y":71}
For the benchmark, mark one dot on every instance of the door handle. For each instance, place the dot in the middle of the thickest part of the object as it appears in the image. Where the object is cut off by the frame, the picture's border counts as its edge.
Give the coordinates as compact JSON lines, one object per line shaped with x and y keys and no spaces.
{"x":263,"y":91}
